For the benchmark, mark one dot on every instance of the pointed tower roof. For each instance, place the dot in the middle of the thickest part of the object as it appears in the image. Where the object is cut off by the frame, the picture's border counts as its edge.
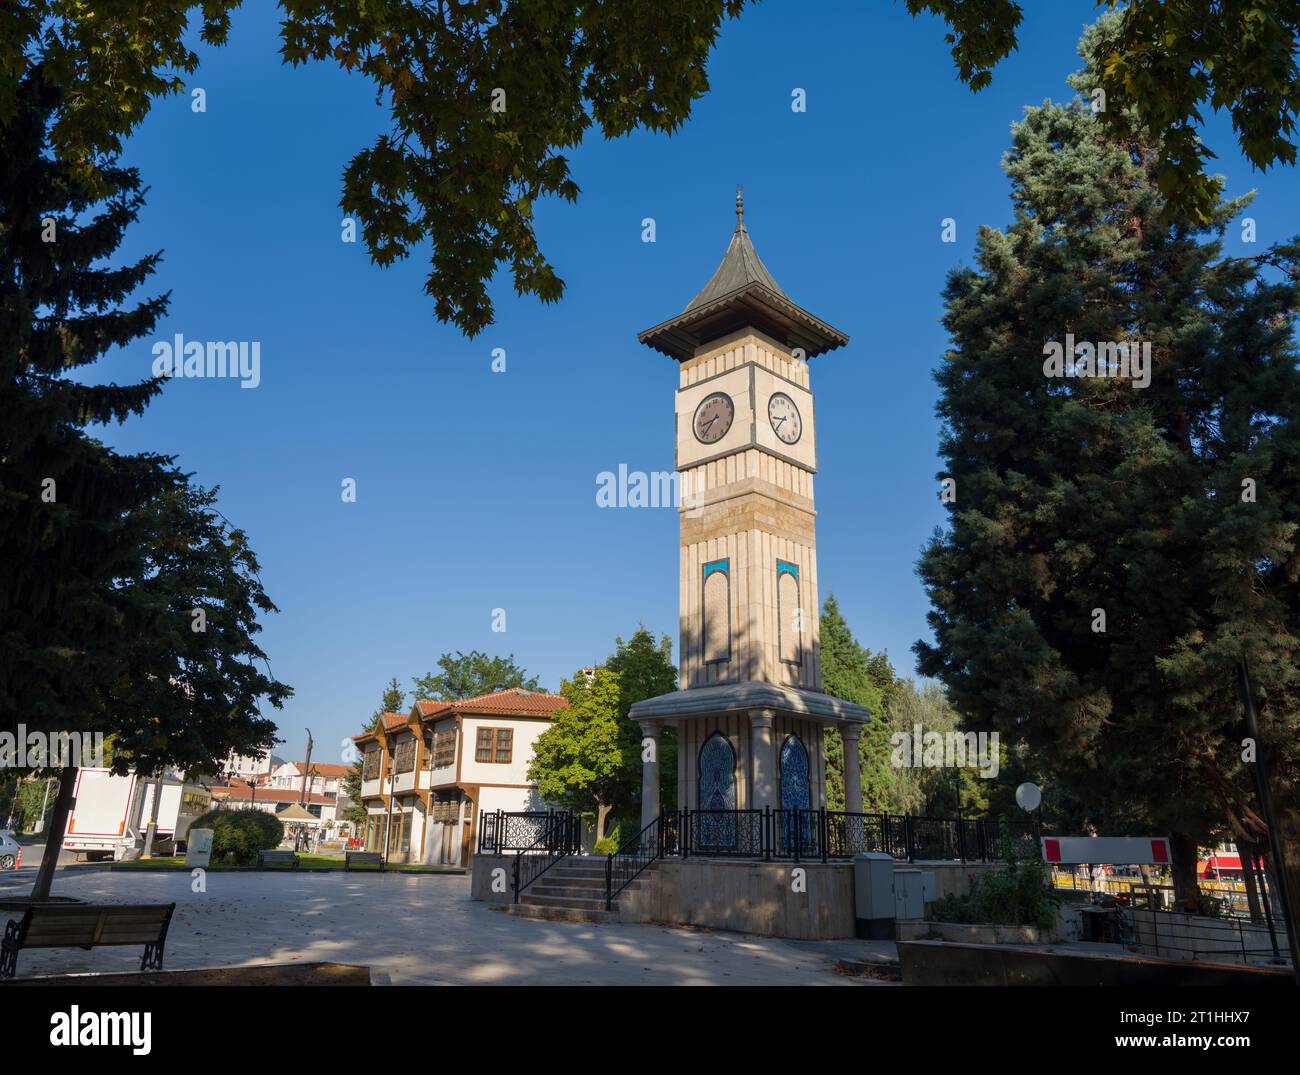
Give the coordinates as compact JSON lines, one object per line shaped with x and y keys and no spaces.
{"x":742,"y":293}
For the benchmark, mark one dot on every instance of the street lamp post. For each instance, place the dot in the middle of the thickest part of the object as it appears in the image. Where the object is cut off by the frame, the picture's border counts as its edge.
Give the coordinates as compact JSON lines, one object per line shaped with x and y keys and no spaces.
{"x":388,"y":821}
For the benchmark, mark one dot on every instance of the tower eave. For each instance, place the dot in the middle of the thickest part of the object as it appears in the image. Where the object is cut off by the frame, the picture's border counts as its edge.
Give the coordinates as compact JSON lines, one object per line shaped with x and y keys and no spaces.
{"x":752,"y":305}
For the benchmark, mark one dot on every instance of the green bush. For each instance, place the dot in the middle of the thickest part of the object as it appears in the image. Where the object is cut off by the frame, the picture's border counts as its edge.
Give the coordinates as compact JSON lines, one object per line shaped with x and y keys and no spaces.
{"x":238,"y":835}
{"x":614,"y":839}
{"x":1016,"y":895}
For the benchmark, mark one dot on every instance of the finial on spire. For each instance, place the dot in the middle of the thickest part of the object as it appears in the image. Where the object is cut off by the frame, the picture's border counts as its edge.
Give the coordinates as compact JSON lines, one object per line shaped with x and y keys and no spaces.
{"x":740,"y":208}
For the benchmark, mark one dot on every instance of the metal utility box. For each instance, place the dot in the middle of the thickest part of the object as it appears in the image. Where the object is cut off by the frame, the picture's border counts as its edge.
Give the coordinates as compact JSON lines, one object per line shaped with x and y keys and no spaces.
{"x":909,"y":895}
{"x":873,"y":894}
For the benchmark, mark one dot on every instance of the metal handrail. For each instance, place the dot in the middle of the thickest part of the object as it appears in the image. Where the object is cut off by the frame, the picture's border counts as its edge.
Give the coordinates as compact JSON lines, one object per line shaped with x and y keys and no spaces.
{"x":556,"y":850}
{"x":628,"y":853}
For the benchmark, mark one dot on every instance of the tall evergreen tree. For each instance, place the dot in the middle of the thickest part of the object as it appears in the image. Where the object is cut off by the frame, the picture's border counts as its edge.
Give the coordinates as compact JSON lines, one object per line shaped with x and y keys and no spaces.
{"x":64,"y":496}
{"x":127,"y":605}
{"x":852,"y":672}
{"x":1115,"y":547}
{"x":393,"y":700}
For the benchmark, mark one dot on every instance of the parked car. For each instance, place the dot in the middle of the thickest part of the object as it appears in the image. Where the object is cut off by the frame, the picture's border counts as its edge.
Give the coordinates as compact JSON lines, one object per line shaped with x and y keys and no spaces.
{"x":11,"y":851}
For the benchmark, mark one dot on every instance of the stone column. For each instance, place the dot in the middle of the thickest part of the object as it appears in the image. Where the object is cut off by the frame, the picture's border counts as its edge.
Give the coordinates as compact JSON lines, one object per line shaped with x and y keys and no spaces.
{"x":851,"y":732}
{"x":650,"y":730}
{"x":762,"y":768}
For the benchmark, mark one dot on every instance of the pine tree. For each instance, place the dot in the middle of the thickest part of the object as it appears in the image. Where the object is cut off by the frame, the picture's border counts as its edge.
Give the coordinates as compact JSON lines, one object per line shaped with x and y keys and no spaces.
{"x":63,"y":495}
{"x":1107,"y":561}
{"x":852,"y":672}
{"x":127,"y":604}
{"x":393,"y":699}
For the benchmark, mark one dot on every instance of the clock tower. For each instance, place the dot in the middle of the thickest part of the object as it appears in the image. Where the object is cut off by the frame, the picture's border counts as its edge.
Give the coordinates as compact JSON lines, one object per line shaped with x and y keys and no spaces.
{"x":751,"y":715}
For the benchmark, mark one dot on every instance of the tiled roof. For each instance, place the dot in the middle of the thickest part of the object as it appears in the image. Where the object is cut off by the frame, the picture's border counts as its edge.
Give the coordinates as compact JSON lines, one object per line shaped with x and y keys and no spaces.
{"x":325,"y":769}
{"x":514,"y":701}
{"x":391,"y":720}
{"x":278,"y":795}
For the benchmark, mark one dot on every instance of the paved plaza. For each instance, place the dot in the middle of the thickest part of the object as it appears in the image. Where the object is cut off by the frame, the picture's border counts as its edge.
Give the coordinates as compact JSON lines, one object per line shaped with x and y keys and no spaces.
{"x":419,"y":930}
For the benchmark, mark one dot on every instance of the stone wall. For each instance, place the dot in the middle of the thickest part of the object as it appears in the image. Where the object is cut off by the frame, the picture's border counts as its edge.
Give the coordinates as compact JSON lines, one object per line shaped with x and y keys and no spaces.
{"x":480,"y":883}
{"x":749,"y":897}
{"x":950,"y":878}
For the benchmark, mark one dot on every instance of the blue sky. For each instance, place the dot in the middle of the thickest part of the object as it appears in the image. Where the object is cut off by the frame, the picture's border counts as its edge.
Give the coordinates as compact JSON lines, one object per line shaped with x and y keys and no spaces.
{"x":358,"y":379}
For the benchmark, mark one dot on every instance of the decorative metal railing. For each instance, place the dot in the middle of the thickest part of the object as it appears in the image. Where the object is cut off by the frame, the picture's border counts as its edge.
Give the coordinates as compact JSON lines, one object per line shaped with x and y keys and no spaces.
{"x":831,"y":834}
{"x":540,"y":840}
{"x":779,"y":834}
{"x":661,"y":837}
{"x":501,"y":832}
{"x":560,"y":837}
{"x":802,"y":835}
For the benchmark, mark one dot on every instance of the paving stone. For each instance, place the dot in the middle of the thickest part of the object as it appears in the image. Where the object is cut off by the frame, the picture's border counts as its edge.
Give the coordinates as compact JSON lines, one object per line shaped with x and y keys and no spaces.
{"x":419,"y":930}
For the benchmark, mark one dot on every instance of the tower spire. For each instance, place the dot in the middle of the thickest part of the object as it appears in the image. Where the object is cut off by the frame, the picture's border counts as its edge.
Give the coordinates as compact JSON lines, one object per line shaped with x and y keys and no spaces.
{"x":740,"y":208}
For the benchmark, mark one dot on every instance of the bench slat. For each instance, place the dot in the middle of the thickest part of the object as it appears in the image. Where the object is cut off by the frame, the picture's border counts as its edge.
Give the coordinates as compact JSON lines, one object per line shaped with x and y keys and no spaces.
{"x":81,"y":925}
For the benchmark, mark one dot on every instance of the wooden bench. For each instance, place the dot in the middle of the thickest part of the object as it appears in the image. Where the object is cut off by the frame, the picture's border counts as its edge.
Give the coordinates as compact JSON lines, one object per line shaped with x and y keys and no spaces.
{"x":87,"y":926}
{"x":362,"y":858}
{"x":282,"y":857}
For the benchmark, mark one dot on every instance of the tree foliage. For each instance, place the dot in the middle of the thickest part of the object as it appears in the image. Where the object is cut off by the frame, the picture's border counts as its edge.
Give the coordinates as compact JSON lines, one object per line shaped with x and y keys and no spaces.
{"x":485,"y":98}
{"x":644,"y":668}
{"x":578,"y":761}
{"x":467,"y":675}
{"x":128,"y":605}
{"x":1168,"y":509}
{"x":852,"y":672}
{"x":589,"y":760}
{"x":1161,"y":65}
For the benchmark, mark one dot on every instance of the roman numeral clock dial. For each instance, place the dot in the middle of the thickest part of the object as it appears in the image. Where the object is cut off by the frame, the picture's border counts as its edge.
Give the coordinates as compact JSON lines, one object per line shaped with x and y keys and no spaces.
{"x":786,"y":421}
{"x":713,"y":417}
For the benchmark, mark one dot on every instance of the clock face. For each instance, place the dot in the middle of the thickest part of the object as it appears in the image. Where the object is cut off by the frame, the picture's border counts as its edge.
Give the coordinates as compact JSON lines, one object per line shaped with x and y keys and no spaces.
{"x":713,"y":417}
{"x":784,"y":416}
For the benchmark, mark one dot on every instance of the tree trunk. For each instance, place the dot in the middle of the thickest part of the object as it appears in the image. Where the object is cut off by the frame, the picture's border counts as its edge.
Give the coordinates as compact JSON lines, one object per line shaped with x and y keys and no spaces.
{"x":602,"y":815}
{"x":152,"y":829}
{"x":56,"y":824}
{"x":1284,"y":854}
{"x":1183,"y":851}
{"x":1247,"y":853}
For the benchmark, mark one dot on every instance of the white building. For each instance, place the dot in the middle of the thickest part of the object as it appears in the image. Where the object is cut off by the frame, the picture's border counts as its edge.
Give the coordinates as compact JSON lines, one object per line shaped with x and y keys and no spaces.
{"x":248,"y":767}
{"x":325,"y":779}
{"x":428,"y":776}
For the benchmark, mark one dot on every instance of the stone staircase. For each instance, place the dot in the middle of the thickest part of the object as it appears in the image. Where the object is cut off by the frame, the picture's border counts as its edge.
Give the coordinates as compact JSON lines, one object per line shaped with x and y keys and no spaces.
{"x":573,"y":890}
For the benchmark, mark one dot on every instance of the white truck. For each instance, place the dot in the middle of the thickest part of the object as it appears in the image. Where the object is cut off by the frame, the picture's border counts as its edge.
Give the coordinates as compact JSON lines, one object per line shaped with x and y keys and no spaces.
{"x":110,"y":814}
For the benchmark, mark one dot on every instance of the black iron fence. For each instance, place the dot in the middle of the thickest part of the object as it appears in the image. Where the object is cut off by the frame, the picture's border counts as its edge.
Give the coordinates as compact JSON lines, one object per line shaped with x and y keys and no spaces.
{"x":835,"y":834}
{"x":557,"y":830}
{"x":779,"y":834}
{"x":803,"y":835}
